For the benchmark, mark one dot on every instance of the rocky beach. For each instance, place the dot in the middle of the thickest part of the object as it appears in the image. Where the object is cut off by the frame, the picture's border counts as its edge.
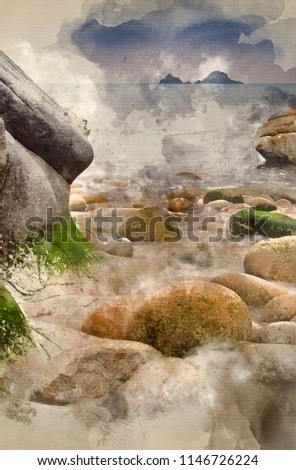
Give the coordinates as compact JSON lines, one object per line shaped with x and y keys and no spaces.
{"x":153,"y":302}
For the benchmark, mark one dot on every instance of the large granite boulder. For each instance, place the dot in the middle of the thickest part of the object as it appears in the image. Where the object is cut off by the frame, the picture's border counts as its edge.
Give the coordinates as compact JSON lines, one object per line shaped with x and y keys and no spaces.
{"x":41,"y":151}
{"x":188,"y":314}
{"x":91,"y":371}
{"x":29,"y":186}
{"x":40,"y":124}
{"x":277,"y":140}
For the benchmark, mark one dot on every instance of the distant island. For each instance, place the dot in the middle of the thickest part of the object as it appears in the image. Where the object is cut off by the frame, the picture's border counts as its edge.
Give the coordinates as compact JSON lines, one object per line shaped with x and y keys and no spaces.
{"x":170,"y":79}
{"x":214,"y":78}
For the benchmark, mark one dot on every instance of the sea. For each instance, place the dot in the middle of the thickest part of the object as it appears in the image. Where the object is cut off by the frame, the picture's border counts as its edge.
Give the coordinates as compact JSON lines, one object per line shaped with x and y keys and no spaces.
{"x":207,"y":130}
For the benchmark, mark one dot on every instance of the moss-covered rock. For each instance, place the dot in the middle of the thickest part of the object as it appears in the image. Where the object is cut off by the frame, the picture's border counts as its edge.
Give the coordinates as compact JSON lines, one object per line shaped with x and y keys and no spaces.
{"x":225,"y":194}
{"x":15,"y":333}
{"x":251,"y":222}
{"x":188,"y":314}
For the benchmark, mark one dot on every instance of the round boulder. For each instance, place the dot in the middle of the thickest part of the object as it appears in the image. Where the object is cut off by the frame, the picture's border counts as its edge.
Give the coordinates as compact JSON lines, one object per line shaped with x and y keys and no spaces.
{"x":90,"y":371}
{"x":110,"y":319}
{"x":273,"y":259}
{"x":251,"y":289}
{"x":261,"y":204}
{"x":189,"y":314}
{"x":180,"y":204}
{"x":218,"y":204}
{"x":161,"y":384}
{"x":283,"y":204}
{"x":281,"y":308}
{"x":282,"y":332}
{"x":77,"y":203}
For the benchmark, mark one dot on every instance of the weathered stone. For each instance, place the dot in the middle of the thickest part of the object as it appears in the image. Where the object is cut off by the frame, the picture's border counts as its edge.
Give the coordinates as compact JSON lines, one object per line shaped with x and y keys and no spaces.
{"x":180,"y":204}
{"x":269,"y":362}
{"x":260,"y":203}
{"x":251,"y":289}
{"x":188,"y":314}
{"x":160,"y":384}
{"x":190,"y":194}
{"x":283,"y":204}
{"x":281,"y":308}
{"x":40,"y":124}
{"x":226,"y":194}
{"x":110,"y":319}
{"x":273,"y":259}
{"x":218,"y":204}
{"x":90,"y":197}
{"x":49,"y":341}
{"x":90,"y":371}
{"x":77,"y":203}
{"x":29,"y":187}
{"x":282,"y":332}
{"x":277,"y":140}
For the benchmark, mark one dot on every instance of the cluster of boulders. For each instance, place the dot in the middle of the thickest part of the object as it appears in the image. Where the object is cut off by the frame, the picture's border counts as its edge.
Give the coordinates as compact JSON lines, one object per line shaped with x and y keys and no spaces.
{"x":42,"y":150}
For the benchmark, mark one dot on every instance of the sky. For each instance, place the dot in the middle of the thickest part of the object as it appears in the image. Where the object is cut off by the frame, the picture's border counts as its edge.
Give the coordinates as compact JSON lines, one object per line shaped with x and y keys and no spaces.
{"x":139,"y":41}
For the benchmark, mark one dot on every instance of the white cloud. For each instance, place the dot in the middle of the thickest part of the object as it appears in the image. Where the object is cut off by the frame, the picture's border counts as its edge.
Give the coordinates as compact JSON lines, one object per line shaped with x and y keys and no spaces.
{"x":282,"y":35}
{"x":210,"y":64}
{"x":115,"y":12}
{"x":186,"y":12}
{"x":268,"y":9}
{"x":60,"y":76}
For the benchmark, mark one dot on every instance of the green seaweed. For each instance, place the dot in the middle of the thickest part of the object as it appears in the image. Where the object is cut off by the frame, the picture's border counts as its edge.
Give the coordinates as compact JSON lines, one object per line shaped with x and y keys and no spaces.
{"x":264,"y":223}
{"x":15,"y":331}
{"x":56,"y":249}
{"x":64,"y":247}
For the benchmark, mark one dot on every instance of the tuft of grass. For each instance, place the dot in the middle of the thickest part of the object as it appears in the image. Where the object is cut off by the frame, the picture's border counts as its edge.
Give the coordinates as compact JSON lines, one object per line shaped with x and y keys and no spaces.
{"x":56,"y":249}
{"x":15,"y":331}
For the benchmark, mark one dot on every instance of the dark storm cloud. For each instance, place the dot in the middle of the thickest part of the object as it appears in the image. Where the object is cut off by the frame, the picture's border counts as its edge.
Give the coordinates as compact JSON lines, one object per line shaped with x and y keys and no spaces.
{"x":178,"y":37}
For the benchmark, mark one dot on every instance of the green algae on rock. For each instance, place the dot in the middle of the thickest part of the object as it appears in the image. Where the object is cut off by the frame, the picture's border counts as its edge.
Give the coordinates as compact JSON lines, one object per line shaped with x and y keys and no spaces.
{"x":15,"y":332}
{"x":251,"y":222}
{"x":189,"y":314}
